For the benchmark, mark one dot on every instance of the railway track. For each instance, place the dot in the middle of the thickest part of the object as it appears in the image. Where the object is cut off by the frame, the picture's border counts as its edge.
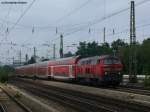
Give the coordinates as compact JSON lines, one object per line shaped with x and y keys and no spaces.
{"x":123,"y":88}
{"x":79,"y":101}
{"x":4,"y":106}
{"x":133,"y":90}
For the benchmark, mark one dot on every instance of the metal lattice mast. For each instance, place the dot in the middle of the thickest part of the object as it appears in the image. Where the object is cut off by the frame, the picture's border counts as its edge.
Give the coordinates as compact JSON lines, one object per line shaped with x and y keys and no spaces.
{"x":54,"y":49}
{"x":20,"y":54}
{"x":104,"y":35}
{"x":132,"y":58}
{"x":61,"y":46}
{"x":34,"y":52}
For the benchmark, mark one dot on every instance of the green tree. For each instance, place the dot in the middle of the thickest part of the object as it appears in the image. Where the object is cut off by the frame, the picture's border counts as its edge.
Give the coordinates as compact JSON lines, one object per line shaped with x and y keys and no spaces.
{"x":105,"y":49}
{"x":124,"y":56}
{"x":145,"y":55}
{"x":68,"y":54}
{"x":32,"y":60}
{"x":93,"y":49}
{"x":82,"y":49}
{"x":118,"y":45}
{"x":4,"y":72}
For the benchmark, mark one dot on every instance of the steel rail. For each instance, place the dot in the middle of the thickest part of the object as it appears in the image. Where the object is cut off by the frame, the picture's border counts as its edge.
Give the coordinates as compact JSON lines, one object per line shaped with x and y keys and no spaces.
{"x":3,"y":108}
{"x":107,"y":103}
{"x":76,"y":103}
{"x":19,"y":103}
{"x":133,"y":90}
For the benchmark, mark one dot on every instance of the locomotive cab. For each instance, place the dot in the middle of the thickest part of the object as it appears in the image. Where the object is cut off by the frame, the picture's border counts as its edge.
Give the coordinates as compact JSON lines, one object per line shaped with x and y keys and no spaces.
{"x":111,"y":70}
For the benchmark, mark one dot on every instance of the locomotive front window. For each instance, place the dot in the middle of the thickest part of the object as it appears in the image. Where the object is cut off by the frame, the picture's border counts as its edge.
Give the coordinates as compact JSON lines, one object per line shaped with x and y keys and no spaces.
{"x":108,"y":61}
{"x":111,"y":61}
{"x":116,"y":61}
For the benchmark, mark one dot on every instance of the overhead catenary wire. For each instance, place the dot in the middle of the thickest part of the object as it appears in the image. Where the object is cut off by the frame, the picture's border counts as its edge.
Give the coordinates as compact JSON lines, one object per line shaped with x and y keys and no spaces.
{"x":73,"y":11}
{"x":6,"y":18}
{"x":22,"y":15}
{"x":80,"y":27}
{"x":91,"y":23}
{"x":77,"y":24}
{"x":59,"y":20}
{"x":105,"y":17}
{"x":2,"y":25}
{"x":138,"y":27}
{"x":18,"y":20}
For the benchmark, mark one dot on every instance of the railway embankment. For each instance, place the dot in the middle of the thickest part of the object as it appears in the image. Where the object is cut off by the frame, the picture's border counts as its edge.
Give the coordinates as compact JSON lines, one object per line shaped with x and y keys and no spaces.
{"x":9,"y":103}
{"x":25,"y":102}
{"x":109,"y":98}
{"x":120,"y":95}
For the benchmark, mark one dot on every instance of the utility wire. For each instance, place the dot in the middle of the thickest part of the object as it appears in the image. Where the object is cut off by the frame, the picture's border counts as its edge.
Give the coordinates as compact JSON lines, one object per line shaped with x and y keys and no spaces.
{"x":22,"y":15}
{"x":6,"y":17}
{"x":99,"y":20}
{"x":91,"y":23}
{"x":59,"y":20}
{"x":105,"y":17}
{"x":73,"y":11}
{"x":18,"y":20}
{"x":67,"y":15}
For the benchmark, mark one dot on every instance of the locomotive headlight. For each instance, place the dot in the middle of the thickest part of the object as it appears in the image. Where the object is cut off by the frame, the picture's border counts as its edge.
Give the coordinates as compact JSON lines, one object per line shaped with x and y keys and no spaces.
{"x":106,"y":73}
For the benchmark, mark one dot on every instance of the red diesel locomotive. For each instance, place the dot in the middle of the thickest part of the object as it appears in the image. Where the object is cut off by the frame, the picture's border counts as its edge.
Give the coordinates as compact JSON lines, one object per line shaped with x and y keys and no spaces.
{"x":103,"y":69}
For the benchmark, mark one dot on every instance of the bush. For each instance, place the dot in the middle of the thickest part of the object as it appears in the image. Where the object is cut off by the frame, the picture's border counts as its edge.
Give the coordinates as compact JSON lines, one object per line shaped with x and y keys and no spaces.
{"x":4,"y":71}
{"x":3,"y":76}
{"x":147,"y":81}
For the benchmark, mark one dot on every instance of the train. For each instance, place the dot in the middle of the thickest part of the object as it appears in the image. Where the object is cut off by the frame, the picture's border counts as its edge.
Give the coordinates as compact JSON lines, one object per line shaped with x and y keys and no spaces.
{"x":104,"y":69}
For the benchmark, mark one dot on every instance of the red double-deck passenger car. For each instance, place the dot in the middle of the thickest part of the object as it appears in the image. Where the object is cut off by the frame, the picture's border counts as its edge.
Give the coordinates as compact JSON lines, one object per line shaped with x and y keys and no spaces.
{"x":102,"y":69}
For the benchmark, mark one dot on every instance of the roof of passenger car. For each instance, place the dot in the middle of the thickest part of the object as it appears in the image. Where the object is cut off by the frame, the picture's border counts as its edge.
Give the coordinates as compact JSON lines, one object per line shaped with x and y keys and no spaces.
{"x":61,"y":61}
{"x":64,"y":61}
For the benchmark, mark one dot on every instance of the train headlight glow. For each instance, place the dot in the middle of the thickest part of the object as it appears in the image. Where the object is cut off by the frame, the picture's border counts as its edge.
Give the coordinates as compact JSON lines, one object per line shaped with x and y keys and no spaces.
{"x":106,"y":73}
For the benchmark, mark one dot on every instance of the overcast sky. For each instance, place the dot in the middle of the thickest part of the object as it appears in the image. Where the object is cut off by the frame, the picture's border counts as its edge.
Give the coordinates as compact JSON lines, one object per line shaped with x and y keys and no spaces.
{"x":73,"y":19}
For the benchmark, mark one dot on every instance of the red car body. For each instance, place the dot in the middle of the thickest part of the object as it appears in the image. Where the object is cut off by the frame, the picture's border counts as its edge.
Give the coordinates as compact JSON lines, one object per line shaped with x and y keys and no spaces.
{"x":106,"y":69}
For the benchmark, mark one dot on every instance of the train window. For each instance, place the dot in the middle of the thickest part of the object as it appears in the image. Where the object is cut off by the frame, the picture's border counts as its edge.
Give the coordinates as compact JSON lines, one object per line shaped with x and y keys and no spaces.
{"x":116,"y":61}
{"x":107,"y":61}
{"x":98,"y":61}
{"x":83,"y":63}
{"x":88,"y":61}
{"x":111,"y":61}
{"x":93,"y":62}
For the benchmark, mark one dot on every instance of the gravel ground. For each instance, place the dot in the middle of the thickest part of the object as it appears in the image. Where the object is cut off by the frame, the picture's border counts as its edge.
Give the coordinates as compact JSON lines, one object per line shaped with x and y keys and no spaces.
{"x":8,"y":103}
{"x":131,"y":97}
{"x":125,"y":100}
{"x":37,"y":104}
{"x":53,"y":106}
